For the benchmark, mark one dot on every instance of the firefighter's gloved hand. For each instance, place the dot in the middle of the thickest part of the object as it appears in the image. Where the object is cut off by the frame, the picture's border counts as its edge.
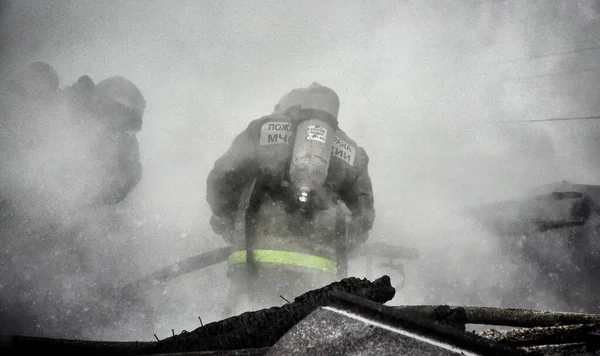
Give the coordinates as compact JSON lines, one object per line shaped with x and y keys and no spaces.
{"x":223,"y":225}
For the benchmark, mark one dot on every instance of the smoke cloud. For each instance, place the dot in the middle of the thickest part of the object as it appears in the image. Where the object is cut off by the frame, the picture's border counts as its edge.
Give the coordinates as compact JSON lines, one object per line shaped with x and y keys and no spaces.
{"x":421,"y":83}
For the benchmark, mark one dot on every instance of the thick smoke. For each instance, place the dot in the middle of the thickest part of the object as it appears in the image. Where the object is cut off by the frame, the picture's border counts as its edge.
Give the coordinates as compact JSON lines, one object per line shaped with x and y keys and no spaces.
{"x":421,"y":84}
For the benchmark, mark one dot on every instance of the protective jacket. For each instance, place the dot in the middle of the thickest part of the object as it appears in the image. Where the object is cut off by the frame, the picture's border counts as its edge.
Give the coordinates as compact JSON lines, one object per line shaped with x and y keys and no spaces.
{"x":248,"y":189}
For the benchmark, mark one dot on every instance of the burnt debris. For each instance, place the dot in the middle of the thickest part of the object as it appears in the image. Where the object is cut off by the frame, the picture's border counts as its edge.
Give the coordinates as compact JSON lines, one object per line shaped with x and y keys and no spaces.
{"x":349,"y":318}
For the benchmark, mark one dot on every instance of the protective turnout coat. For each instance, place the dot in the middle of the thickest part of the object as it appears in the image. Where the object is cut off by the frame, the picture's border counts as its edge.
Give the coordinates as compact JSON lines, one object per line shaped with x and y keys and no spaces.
{"x":248,"y":187}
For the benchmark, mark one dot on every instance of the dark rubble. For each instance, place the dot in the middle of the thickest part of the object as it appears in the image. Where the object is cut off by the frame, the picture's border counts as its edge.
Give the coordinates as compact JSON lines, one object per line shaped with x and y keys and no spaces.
{"x":552,"y":235}
{"x":350,"y":317}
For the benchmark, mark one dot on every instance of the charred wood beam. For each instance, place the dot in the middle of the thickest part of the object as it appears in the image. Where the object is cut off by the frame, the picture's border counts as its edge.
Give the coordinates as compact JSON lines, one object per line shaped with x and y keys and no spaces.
{"x":526,"y":318}
{"x":556,"y":335}
{"x":264,"y":327}
{"x":579,"y":348}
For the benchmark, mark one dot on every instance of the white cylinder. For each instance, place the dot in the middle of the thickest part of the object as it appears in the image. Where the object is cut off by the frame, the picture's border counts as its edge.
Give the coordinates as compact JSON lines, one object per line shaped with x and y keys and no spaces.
{"x":310,"y":157}
{"x":313,"y":140}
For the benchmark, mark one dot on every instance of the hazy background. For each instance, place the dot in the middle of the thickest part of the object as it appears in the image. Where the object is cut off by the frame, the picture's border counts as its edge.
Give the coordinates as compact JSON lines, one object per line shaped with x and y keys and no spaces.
{"x":420,"y":84}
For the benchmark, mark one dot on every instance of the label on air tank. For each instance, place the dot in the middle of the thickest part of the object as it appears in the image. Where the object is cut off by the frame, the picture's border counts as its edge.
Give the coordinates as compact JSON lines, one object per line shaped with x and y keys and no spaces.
{"x":316,"y":133}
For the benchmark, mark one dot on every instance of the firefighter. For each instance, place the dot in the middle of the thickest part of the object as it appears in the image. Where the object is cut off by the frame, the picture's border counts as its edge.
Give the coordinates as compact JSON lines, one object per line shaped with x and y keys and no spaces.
{"x":284,"y":194}
{"x":66,"y":162}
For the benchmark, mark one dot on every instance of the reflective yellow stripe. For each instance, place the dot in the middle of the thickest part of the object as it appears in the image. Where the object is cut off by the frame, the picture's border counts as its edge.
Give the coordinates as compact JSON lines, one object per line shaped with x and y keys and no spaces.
{"x":286,"y":258}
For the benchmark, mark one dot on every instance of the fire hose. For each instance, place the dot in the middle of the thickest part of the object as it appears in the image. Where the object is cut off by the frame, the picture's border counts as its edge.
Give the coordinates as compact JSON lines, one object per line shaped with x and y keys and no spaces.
{"x":221,"y":255}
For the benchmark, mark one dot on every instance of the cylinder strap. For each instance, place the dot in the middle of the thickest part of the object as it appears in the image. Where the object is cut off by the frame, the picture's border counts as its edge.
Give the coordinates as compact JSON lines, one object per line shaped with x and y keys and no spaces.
{"x":286,"y":258}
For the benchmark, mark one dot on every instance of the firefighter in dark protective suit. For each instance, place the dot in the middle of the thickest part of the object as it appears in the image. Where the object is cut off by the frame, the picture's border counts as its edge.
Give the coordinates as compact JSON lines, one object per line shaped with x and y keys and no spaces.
{"x":292,"y":195}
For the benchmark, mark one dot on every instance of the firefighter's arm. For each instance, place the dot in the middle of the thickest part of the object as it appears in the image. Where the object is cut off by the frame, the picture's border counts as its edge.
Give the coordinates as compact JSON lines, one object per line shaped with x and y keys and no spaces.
{"x":231,"y":172}
{"x":359,"y":199}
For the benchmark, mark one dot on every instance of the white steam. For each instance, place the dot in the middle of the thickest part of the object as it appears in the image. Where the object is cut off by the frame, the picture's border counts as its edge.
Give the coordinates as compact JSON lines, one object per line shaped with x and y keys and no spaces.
{"x":420,"y":84}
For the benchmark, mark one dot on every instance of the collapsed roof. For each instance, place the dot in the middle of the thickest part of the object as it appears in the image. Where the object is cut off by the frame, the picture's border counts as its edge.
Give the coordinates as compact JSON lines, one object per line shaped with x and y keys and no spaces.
{"x":349,"y":317}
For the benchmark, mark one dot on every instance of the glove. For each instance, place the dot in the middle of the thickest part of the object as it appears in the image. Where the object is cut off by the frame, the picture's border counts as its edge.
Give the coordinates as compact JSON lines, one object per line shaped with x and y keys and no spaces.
{"x":224,"y":226}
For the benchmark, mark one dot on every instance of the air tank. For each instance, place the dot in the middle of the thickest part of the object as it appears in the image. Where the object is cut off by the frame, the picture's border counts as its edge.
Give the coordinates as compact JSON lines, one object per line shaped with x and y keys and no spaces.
{"x":313,"y":141}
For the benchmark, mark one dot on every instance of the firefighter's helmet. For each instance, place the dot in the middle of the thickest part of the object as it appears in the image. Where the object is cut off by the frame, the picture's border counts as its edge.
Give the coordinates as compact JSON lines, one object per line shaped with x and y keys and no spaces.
{"x":316,"y":97}
{"x":118,"y":90}
{"x":295,"y":98}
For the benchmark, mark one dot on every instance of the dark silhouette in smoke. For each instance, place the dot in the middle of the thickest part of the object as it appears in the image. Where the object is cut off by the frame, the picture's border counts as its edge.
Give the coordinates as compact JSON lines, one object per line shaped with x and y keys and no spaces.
{"x":67,"y":159}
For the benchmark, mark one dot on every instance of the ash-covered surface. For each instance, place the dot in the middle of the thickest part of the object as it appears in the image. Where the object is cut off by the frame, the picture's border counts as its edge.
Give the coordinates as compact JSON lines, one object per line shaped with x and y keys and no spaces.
{"x":331,"y":332}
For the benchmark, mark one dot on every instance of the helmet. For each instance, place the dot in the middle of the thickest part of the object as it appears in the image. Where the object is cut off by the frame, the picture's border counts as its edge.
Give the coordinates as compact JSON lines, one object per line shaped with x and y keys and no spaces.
{"x":118,"y":90}
{"x":120,"y":101}
{"x":296,"y":97}
{"x":322,"y":98}
{"x":316,"y":97}
{"x":38,"y":79}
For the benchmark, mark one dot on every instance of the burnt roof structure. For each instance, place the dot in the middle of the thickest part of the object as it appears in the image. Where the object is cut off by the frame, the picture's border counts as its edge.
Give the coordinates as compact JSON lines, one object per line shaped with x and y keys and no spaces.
{"x":552,"y":235}
{"x":350,"y":318}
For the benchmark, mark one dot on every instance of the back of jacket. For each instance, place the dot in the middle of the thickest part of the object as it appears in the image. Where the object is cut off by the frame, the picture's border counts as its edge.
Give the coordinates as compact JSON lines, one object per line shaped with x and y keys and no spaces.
{"x":262,"y":154}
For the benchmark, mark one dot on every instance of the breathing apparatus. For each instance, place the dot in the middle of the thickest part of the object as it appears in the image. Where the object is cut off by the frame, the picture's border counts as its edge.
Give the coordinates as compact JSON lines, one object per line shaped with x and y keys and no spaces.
{"x":317,"y":125}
